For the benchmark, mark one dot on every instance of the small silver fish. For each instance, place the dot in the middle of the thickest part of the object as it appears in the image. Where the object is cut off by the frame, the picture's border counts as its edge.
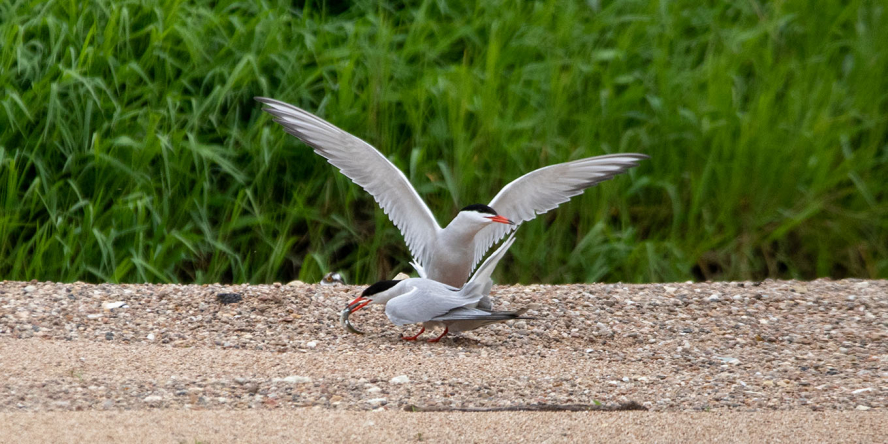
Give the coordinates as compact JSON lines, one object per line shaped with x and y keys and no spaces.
{"x":346,"y":324}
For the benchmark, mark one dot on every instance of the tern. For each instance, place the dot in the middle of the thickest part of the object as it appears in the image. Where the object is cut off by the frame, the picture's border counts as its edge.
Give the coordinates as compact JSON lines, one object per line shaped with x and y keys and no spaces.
{"x":333,"y":278}
{"x":447,"y":255}
{"x":420,"y":300}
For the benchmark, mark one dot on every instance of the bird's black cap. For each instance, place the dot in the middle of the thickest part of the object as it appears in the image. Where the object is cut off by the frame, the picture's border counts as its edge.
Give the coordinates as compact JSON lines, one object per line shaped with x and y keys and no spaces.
{"x":378,"y":287}
{"x":480,"y":208}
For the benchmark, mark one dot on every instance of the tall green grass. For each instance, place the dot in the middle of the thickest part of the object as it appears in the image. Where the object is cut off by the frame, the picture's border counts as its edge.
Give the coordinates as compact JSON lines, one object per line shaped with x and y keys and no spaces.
{"x":131,"y":149}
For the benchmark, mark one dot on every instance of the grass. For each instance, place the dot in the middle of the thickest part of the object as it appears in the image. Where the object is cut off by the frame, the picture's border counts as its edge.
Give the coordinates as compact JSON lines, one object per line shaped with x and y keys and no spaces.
{"x":131,"y":149}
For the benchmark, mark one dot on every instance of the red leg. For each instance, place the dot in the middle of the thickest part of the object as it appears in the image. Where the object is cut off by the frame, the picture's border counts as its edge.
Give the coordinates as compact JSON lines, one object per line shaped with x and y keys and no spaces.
{"x":439,"y":337}
{"x":413,"y":338}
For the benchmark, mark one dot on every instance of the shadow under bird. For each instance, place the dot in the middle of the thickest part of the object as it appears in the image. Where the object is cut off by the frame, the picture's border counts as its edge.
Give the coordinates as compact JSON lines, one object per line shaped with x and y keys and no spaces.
{"x":419,"y":300}
{"x":448,"y":254}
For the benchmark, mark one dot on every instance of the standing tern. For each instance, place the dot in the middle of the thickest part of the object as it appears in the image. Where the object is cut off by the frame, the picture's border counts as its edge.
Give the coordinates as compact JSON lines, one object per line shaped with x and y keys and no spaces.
{"x":447,"y":255}
{"x":419,"y":300}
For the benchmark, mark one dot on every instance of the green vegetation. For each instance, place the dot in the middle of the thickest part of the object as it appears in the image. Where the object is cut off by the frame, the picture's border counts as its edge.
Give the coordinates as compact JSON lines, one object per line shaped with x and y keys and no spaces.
{"x":131,"y":149}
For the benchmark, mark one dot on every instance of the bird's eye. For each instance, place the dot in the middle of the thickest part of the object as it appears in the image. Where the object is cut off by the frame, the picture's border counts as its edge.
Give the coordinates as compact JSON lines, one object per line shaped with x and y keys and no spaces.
{"x":329,"y":279}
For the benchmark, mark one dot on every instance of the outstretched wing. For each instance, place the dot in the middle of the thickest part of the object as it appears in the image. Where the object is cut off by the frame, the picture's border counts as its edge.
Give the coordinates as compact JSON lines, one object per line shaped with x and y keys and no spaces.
{"x":367,"y":167}
{"x":544,"y":189}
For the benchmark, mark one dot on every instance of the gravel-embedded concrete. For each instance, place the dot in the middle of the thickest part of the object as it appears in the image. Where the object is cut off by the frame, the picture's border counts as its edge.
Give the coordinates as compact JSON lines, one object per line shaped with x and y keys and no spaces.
{"x":321,"y":426}
{"x":719,"y":347}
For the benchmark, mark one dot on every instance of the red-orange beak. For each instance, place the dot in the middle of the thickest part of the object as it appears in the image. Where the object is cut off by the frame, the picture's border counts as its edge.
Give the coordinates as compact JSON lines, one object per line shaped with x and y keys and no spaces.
{"x":501,"y":219}
{"x":357,"y":304}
